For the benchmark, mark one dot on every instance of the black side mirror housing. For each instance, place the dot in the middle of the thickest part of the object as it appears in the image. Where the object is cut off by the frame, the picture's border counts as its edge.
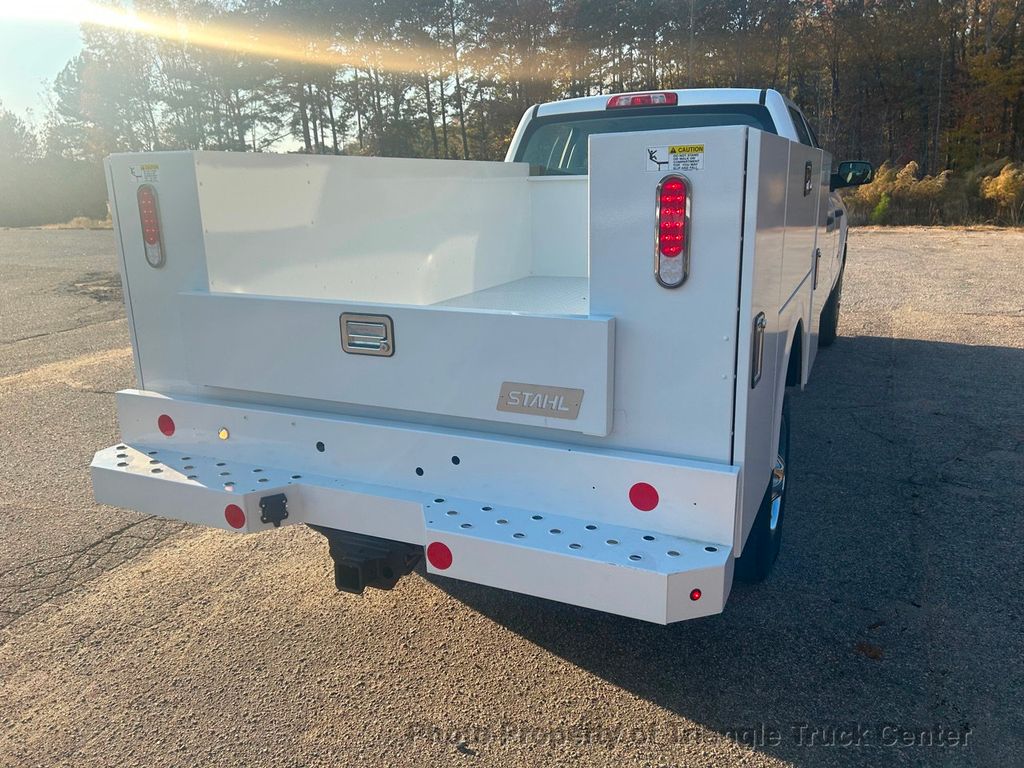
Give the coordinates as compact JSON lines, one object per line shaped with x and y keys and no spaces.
{"x":852,"y":173}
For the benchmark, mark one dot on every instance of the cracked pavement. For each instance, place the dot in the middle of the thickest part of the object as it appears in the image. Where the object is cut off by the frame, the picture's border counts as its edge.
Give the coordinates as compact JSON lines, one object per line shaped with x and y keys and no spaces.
{"x":64,"y":350}
{"x":897,"y":600}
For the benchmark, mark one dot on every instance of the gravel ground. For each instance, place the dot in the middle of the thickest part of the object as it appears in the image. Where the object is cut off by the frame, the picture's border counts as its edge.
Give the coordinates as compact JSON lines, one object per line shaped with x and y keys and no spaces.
{"x":890,"y":626}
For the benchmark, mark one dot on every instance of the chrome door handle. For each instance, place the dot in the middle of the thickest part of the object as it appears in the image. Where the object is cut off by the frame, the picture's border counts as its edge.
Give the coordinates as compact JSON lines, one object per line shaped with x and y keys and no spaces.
{"x":367,"y":334}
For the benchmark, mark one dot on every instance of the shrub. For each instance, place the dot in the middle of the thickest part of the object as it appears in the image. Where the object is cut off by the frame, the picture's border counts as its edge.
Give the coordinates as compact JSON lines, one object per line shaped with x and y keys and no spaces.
{"x":991,"y":193}
{"x":880,"y":213}
{"x":1006,"y":191}
{"x":51,"y":190}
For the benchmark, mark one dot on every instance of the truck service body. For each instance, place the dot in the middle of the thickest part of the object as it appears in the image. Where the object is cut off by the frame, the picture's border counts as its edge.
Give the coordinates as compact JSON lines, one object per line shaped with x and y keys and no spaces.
{"x":562,"y":375}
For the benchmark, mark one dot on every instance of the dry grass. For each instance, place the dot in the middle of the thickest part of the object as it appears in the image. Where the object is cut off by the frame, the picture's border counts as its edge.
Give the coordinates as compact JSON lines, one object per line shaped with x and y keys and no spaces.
{"x":946,"y":227}
{"x":987,"y":194}
{"x":80,"y":222}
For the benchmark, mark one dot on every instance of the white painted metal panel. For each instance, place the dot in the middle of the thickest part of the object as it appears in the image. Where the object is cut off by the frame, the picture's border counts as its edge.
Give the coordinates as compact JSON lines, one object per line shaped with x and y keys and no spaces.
{"x":693,"y":96}
{"x":823,"y":266}
{"x":764,"y":244}
{"x":675,"y":348}
{"x":801,"y":219}
{"x":151,"y":295}
{"x":629,"y":571}
{"x":445,"y":361}
{"x":385,"y":230}
{"x":559,"y":216}
{"x":630,"y":288}
{"x":697,"y":500}
{"x":534,"y":295}
{"x":157,"y":484}
{"x":611,"y":568}
{"x":112,"y":197}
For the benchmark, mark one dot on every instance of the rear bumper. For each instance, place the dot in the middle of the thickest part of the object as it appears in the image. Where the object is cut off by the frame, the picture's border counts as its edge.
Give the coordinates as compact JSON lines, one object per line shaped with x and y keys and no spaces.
{"x":602,"y":554}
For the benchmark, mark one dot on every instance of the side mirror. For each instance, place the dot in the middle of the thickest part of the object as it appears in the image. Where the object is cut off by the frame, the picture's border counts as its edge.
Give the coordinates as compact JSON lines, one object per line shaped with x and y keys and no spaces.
{"x":852,"y":173}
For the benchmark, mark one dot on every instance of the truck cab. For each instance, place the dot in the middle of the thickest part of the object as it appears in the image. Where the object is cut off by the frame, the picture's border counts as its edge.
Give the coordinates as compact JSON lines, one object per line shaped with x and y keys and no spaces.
{"x":563,"y":375}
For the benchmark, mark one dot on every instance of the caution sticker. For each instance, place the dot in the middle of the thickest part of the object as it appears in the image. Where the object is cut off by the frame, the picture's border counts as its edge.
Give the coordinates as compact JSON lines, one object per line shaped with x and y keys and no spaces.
{"x":678,"y":157}
{"x":146,"y":173}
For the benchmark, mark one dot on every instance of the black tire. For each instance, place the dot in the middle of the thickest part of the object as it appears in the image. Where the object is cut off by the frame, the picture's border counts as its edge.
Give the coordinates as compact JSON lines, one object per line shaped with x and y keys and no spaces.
{"x":829,"y":328}
{"x":765,"y":538}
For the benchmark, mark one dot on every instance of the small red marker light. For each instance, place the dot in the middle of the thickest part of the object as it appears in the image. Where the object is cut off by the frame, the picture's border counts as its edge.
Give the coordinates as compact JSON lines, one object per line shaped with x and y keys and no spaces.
{"x":234,"y":515}
{"x":439,"y":555}
{"x":695,"y":594}
{"x":166,"y":424}
{"x":643,"y":496}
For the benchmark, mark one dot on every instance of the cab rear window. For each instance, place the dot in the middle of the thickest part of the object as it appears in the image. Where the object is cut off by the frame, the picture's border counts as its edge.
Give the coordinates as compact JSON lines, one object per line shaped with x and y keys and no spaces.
{"x":558,"y":144}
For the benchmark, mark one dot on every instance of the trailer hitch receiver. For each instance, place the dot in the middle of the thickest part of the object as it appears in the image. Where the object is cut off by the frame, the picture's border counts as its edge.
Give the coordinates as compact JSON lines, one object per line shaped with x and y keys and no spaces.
{"x":362,"y":561}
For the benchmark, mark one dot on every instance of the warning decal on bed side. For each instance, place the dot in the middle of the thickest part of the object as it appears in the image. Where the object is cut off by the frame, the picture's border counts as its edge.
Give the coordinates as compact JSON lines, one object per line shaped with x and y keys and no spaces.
{"x":146,"y":173}
{"x":679,"y":157}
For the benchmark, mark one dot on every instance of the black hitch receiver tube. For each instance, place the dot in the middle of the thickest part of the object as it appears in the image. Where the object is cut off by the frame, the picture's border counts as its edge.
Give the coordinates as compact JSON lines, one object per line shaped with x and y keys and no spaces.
{"x":362,"y":561}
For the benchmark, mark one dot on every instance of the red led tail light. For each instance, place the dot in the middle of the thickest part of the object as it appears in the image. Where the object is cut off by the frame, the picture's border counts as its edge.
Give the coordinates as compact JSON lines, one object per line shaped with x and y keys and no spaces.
{"x":149,"y":217}
{"x":672,"y":258}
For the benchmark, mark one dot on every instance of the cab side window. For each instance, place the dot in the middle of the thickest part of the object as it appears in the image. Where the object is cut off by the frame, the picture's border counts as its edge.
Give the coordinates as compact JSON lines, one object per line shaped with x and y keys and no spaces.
{"x":801,"y":128}
{"x":814,"y":134}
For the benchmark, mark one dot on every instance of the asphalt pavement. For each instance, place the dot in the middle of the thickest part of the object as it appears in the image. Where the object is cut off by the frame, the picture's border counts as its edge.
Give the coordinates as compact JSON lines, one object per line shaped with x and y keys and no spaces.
{"x":889,"y":633}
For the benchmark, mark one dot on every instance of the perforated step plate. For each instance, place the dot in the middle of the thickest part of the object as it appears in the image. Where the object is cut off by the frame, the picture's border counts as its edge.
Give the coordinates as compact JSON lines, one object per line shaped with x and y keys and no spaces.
{"x":643,"y":574}
{"x":224,"y":493}
{"x":631,"y":572}
{"x":198,"y":489}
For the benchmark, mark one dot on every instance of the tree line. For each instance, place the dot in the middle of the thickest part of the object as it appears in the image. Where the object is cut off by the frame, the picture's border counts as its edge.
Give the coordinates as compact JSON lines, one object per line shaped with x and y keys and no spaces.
{"x":938,"y":84}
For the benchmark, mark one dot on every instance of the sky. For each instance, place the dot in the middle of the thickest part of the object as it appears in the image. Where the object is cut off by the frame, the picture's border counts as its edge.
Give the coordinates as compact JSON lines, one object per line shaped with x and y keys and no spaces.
{"x":32,"y":54}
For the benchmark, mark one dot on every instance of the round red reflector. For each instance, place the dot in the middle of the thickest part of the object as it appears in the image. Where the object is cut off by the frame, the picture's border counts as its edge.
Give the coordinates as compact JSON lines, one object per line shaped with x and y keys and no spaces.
{"x":166,"y":424}
{"x":439,"y":555}
{"x":234,"y":515}
{"x":695,"y":594}
{"x":643,"y":496}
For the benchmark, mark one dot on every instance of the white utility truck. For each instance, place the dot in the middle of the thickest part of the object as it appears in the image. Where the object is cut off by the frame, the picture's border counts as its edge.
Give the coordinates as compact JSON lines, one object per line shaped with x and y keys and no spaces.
{"x":562,"y":375}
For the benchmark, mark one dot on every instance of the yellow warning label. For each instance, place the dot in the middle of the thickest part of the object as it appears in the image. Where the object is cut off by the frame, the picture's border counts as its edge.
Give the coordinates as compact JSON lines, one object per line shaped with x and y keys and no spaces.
{"x":146,"y":173}
{"x":681,"y":157}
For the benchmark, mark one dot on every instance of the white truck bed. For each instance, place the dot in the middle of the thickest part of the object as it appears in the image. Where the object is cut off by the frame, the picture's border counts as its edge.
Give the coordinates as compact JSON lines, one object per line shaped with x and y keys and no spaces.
{"x":532,"y":295}
{"x":529,"y":371}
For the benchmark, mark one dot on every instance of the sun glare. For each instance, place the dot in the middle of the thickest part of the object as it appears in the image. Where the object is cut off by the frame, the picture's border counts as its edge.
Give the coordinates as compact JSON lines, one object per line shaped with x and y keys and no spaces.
{"x":260,"y":43}
{"x":73,"y":12}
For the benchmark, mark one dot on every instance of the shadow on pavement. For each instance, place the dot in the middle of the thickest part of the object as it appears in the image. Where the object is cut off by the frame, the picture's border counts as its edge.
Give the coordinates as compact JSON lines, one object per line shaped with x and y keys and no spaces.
{"x":897,"y":597}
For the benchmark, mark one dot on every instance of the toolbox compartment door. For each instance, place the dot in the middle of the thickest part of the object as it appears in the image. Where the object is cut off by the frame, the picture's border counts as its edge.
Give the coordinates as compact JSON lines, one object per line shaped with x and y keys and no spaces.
{"x":548,"y":371}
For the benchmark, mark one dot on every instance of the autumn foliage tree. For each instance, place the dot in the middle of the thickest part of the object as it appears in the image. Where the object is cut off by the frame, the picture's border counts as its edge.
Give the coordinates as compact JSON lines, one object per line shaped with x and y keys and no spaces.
{"x":935,"y":83}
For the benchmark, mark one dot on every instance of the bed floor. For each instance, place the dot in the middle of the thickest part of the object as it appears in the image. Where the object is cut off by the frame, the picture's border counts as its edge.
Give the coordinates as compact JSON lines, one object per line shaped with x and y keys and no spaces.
{"x":534,"y":295}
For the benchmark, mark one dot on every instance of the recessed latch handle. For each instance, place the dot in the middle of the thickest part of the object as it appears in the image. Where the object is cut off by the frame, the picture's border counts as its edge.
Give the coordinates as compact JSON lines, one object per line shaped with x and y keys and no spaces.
{"x":367,"y":334}
{"x":757,"y":349}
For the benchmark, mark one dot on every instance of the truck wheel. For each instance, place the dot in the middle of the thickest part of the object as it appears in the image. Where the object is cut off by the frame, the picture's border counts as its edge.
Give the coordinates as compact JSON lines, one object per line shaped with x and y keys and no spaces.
{"x":829,"y":328}
{"x":765,"y":539}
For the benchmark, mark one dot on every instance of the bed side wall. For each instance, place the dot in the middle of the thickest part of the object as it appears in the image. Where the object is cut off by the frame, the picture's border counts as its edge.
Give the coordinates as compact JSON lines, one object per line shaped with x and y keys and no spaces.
{"x":764,"y":243}
{"x":151,"y":294}
{"x":780,"y":238}
{"x":362,"y":229}
{"x":675,"y":355}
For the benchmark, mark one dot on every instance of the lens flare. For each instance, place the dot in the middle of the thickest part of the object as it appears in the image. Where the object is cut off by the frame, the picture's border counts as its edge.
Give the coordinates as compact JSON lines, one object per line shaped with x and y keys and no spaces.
{"x":258,"y":42}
